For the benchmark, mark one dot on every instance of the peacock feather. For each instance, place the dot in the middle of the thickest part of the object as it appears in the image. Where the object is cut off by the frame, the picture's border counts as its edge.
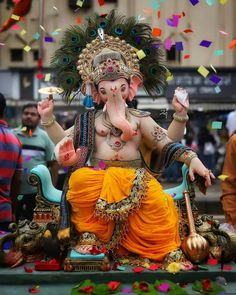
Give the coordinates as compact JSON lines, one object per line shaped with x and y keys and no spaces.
{"x":137,"y":34}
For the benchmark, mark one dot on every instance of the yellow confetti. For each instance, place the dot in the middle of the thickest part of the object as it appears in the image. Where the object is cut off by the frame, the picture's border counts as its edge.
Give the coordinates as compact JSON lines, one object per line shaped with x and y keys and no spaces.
{"x":27,"y":48}
{"x":24,"y":129}
{"x":47,"y":77}
{"x":222,"y":177}
{"x":223,"y":2}
{"x":169,"y":76}
{"x":80,"y":3}
{"x":141,"y":54}
{"x":15,"y":17}
{"x":203,"y":71}
{"x":23,"y":32}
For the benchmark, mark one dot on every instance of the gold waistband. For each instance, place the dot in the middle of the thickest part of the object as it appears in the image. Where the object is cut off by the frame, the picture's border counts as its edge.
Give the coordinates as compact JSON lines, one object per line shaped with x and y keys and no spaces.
{"x":115,"y":163}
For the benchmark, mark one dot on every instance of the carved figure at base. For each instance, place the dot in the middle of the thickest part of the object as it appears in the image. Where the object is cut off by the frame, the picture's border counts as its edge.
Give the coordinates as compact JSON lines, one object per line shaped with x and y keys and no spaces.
{"x":115,"y":200}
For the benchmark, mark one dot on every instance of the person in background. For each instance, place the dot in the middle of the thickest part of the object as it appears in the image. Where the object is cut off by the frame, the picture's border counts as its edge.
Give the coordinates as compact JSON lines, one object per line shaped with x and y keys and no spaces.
{"x":228,"y":186}
{"x":231,"y":123}
{"x":207,"y":148}
{"x":37,"y":149}
{"x":10,"y":169}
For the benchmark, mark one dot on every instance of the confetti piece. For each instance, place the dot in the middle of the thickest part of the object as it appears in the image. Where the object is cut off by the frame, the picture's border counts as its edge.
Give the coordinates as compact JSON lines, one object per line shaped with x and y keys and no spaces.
{"x":80,"y":3}
{"x":213,"y":68}
{"x":205,"y":43}
{"x":2,"y":44}
{"x":155,"y":5}
{"x":223,"y":33}
{"x":186,"y":56}
{"x":217,"y":89}
{"x":54,"y":7}
{"x":147,"y":11}
{"x":175,"y":20}
{"x":203,"y":71}
{"x":36,"y":36}
{"x":222,"y":177}
{"x":194,"y":2}
{"x":218,"y":52}
{"x":179,"y":46}
{"x":210,"y":2}
{"x":169,"y":76}
{"x":42,"y":28}
{"x":156,"y":32}
{"x":216,"y":125}
{"x":222,"y":2}
{"x":48,"y":39}
{"x":140,"y":18}
{"x":188,"y":31}
{"x":101,"y":2}
{"x":39,"y":76}
{"x":215,"y":79}
{"x":47,"y":77}
{"x":55,"y":33}
{"x":15,"y":17}
{"x":27,"y":48}
{"x":168,"y":44}
{"x":232,"y":44}
{"x":23,"y":32}
{"x":15,"y":27}
{"x":141,"y":54}
{"x":158,"y":14}
{"x":78,"y":20}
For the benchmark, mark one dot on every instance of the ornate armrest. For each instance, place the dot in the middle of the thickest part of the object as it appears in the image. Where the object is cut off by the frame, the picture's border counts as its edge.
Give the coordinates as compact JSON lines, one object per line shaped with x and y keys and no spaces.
{"x":177,"y":191}
{"x":41,"y":177}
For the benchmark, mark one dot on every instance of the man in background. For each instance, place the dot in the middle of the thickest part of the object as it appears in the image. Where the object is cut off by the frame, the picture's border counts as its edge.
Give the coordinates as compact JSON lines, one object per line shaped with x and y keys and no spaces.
{"x":10,"y":169}
{"x":37,"y":149}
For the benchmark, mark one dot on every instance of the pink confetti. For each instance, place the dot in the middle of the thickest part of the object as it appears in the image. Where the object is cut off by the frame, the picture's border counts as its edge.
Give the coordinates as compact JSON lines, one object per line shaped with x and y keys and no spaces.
{"x":168,"y":44}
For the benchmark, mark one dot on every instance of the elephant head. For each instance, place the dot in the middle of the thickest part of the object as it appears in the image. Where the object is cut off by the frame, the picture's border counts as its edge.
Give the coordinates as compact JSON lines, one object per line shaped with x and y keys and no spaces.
{"x":114,"y":95}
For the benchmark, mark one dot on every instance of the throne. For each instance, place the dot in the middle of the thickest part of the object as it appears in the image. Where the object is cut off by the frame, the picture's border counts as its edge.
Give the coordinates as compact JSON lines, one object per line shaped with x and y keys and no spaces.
{"x":48,"y":210}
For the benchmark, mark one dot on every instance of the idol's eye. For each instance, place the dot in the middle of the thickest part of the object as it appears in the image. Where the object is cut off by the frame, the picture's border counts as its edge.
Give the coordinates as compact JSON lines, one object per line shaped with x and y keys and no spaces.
{"x":103,"y":91}
{"x":123,"y":88}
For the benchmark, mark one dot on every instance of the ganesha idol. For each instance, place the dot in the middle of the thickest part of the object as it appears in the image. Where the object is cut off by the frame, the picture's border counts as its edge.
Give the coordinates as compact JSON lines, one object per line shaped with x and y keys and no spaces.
{"x":115,"y":201}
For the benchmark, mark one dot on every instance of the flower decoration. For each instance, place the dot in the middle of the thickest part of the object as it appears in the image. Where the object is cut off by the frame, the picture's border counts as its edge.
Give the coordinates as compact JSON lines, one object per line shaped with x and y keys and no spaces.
{"x":113,"y":285}
{"x":164,"y":287}
{"x":173,"y":267}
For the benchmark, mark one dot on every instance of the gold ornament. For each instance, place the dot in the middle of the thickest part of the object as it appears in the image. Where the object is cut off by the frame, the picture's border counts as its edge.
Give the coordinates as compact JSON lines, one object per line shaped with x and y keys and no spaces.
{"x":194,"y":246}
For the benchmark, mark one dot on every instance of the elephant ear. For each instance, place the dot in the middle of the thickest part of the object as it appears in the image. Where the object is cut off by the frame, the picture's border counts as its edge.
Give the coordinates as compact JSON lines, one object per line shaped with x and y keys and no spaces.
{"x":135,"y":82}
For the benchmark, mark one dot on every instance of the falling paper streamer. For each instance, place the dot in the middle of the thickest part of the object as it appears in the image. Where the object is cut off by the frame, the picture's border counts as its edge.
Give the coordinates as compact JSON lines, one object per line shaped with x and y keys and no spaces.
{"x":36,"y":36}
{"x":216,"y":125}
{"x":15,"y":17}
{"x":141,"y":54}
{"x":218,"y":52}
{"x":224,"y":33}
{"x":194,"y":2}
{"x":205,"y":43}
{"x":168,"y":44}
{"x":215,"y":79}
{"x":42,"y":28}
{"x":80,"y":3}
{"x":48,"y":39}
{"x":23,"y":32}
{"x":232,"y":44}
{"x":203,"y":71}
{"x":47,"y":77}
{"x":27,"y":48}
{"x":179,"y":46}
{"x":222,"y":177}
{"x":210,"y":2}
{"x":213,"y":68}
{"x":217,"y":89}
{"x":156,"y":32}
{"x":223,"y":2}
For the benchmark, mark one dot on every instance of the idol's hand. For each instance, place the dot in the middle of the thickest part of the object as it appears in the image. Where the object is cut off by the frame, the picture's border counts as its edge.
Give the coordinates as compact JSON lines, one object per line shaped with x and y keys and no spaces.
{"x":45,"y":108}
{"x":196,"y":166}
{"x":67,"y":156}
{"x":180,"y":106}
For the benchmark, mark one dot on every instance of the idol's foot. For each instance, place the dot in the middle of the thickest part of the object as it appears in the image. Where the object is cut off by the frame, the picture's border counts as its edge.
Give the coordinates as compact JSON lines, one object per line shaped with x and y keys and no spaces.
{"x":83,"y":249}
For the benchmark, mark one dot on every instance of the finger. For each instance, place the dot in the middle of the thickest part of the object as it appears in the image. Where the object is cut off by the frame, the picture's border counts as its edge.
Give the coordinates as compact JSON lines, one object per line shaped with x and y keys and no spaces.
{"x":191,"y":175}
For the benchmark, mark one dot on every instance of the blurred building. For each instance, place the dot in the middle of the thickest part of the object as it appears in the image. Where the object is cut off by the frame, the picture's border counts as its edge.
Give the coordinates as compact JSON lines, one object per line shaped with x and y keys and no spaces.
{"x":42,"y":28}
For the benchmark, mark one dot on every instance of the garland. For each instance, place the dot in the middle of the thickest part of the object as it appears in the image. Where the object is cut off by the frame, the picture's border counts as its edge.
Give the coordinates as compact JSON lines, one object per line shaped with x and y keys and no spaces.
{"x":206,"y":287}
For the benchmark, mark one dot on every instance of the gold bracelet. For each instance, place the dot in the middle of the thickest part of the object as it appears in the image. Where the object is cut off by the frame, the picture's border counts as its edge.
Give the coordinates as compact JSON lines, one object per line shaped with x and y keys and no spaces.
{"x":188,"y":156}
{"x":49,"y":122}
{"x":181,"y":119}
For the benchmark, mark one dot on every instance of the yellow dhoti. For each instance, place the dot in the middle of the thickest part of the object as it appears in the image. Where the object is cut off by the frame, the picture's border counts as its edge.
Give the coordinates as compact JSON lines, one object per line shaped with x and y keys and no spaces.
{"x":131,"y":198}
